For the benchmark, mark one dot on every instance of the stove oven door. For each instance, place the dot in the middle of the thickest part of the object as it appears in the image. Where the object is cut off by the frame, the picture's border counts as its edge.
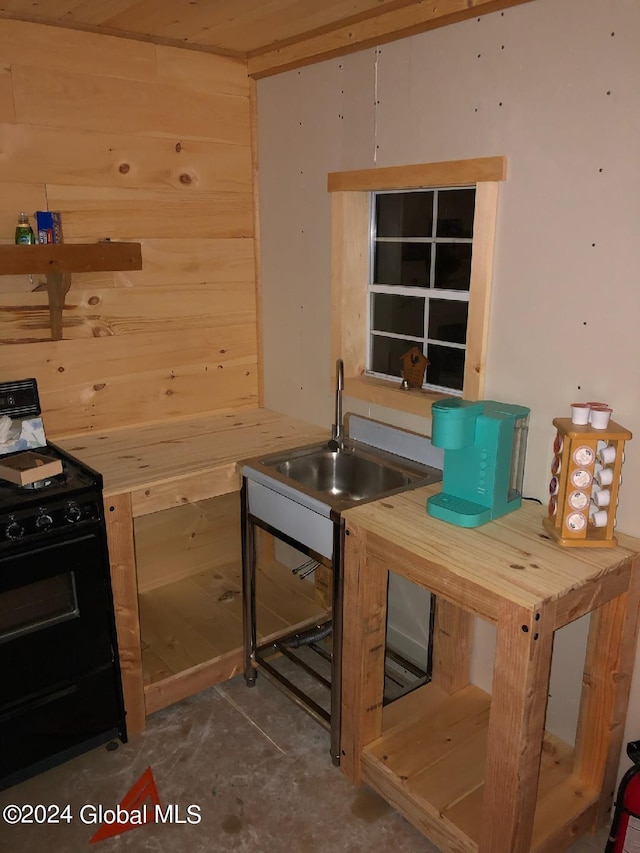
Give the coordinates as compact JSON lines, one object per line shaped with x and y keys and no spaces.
{"x":59,"y":670}
{"x":55,"y":617}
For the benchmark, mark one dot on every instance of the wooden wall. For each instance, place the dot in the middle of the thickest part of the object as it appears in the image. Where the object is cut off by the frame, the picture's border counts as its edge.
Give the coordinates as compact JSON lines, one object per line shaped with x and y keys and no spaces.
{"x":136,"y":142}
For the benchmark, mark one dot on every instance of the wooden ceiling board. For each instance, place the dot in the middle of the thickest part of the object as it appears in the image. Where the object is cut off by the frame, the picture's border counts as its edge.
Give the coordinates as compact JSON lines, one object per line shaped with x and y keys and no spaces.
{"x":249,"y":30}
{"x":273,"y":35}
{"x":179,"y":20}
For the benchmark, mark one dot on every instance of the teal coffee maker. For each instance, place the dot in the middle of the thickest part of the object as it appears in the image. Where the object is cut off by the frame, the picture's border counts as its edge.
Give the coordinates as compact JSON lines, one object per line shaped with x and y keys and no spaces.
{"x":484,"y":450}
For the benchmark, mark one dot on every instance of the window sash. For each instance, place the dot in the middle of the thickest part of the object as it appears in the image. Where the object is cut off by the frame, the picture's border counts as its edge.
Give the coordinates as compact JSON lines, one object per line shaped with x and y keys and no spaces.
{"x":413,"y":291}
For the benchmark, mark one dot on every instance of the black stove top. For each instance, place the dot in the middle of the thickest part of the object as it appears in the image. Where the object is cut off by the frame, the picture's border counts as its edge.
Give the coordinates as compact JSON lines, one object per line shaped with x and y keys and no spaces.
{"x":32,"y":513}
{"x":54,"y":506}
{"x":75,"y":477}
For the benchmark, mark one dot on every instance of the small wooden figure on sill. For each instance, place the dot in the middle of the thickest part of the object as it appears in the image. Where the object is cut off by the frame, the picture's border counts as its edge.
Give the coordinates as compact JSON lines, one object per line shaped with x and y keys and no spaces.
{"x":585,"y":477}
{"x":414,"y":364}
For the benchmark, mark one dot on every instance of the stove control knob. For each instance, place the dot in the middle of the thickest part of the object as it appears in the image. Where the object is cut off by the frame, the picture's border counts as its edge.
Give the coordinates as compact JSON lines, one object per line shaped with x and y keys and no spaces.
{"x":72,"y":512}
{"x":14,"y":530}
{"x":44,"y":521}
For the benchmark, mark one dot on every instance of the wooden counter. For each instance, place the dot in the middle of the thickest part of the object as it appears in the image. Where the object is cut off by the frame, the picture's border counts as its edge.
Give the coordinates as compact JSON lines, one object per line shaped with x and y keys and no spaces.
{"x":475,"y":771}
{"x":173,"y":512}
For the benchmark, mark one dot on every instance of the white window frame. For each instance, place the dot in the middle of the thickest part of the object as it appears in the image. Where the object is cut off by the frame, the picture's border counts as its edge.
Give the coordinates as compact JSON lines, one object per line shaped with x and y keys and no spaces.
{"x":350,"y":200}
{"x":425,"y":293}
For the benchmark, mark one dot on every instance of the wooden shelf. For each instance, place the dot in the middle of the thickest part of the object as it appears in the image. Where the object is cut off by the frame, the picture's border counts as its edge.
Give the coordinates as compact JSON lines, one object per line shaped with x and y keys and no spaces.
{"x":191,"y":629}
{"x":70,"y":257}
{"x":58,"y":261}
{"x":431,"y":756}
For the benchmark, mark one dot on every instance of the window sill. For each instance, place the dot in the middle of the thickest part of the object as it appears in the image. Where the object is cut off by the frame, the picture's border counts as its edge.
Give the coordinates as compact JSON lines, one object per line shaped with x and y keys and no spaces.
{"x":381,"y":392}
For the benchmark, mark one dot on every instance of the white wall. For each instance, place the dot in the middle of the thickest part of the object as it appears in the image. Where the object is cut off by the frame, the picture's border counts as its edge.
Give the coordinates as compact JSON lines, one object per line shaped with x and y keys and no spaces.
{"x":555,"y":86}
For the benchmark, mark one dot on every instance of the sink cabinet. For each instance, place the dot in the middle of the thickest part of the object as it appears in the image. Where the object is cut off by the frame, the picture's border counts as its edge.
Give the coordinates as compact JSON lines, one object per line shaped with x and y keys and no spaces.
{"x":473,"y":771}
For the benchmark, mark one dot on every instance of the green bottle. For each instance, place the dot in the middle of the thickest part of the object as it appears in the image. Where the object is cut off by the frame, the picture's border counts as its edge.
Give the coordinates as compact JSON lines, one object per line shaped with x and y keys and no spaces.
{"x":24,"y":231}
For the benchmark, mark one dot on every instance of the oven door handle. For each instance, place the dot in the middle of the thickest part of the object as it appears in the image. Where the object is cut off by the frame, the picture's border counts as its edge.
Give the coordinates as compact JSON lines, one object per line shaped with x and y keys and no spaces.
{"x":37,"y":702}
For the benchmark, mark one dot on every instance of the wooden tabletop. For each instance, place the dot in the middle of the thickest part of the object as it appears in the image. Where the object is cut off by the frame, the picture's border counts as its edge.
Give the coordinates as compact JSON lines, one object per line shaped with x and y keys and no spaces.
{"x":510,"y":559}
{"x":186,"y":459}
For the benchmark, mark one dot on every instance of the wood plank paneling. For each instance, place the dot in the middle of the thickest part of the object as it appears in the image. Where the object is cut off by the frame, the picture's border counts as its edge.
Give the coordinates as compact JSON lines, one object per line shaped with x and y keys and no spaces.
{"x":114,"y":381}
{"x":7,"y":110}
{"x":16,"y":197}
{"x":144,"y":144}
{"x":120,"y":160}
{"x":56,"y":49}
{"x":93,"y":102}
{"x":95,"y":312}
{"x":180,"y":261}
{"x":202,"y":72}
{"x":91,"y":213}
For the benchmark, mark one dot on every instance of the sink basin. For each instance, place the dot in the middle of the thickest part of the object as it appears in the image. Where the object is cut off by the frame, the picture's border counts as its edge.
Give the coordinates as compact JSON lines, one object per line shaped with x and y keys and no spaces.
{"x":345,"y":474}
{"x":344,"y":478}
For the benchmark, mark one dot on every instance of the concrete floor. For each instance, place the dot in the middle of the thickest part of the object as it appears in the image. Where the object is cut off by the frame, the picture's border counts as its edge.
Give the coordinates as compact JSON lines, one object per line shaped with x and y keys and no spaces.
{"x":257,"y":767}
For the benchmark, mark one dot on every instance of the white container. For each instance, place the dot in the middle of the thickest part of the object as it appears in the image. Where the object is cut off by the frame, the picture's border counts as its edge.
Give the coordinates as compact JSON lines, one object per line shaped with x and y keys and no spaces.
{"x":602,"y":497}
{"x":607,"y":454}
{"x":604,"y":477}
{"x":580,"y":413}
{"x":599,"y":418}
{"x":600,"y":518}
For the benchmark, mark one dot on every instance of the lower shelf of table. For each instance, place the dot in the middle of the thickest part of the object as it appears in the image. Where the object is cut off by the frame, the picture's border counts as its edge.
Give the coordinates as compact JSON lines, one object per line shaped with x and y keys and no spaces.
{"x":429,"y":764}
{"x":192,"y":628}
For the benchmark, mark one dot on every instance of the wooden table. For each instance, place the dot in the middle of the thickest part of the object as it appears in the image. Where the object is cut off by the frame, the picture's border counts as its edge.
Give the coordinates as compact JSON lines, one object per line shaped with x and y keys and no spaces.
{"x":164,"y":467}
{"x":475,"y":771}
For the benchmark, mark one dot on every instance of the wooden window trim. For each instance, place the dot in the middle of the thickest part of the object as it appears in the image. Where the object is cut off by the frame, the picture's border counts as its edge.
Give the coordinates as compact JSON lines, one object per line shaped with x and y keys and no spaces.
{"x":350,"y":264}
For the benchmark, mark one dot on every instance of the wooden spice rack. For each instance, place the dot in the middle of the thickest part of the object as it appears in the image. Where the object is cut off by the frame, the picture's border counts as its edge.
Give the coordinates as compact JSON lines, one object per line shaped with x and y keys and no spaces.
{"x":59,"y":261}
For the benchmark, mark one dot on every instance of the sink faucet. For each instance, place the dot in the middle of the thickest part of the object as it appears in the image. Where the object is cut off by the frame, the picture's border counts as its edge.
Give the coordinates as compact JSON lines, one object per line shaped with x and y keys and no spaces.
{"x":337,"y":430}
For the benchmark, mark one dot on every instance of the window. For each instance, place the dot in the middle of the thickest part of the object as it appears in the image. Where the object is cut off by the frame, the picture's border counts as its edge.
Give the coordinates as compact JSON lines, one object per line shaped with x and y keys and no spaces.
{"x":419,"y":282}
{"x":442,"y":260}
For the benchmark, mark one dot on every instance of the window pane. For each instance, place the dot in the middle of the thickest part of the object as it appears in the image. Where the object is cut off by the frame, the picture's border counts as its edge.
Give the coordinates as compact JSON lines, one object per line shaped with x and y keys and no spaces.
{"x":402,"y":263}
{"x":446,"y":366}
{"x":455,"y":213}
{"x":453,"y":266}
{"x":448,"y":320}
{"x":404,"y":214}
{"x":386,"y":354}
{"x":402,"y":315}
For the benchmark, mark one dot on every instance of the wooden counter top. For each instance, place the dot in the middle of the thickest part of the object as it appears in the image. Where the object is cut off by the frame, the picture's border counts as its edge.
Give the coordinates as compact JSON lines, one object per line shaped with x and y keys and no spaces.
{"x":185,"y":460}
{"x":511,"y":558}
{"x":171,"y":466}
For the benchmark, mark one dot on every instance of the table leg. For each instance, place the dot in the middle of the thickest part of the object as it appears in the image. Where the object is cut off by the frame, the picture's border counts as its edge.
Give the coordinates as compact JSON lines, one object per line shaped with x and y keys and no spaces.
{"x":516,"y":727}
{"x":248,"y":587}
{"x":451,"y":645}
{"x":363,"y":650}
{"x":605,"y":693}
{"x":124,"y":581}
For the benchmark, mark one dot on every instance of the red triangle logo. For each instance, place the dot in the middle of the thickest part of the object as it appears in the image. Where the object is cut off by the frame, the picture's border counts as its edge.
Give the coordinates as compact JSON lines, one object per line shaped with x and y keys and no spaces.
{"x":132,"y":811}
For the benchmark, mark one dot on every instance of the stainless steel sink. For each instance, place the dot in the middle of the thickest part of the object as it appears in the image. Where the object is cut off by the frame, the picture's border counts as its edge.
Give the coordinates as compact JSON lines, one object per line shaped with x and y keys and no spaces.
{"x":298,"y":496}
{"x":345,"y":477}
{"x":345,"y":474}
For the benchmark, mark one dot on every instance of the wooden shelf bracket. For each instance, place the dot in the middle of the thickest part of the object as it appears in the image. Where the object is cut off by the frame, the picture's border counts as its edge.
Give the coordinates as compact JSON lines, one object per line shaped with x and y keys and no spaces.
{"x":59,"y":260}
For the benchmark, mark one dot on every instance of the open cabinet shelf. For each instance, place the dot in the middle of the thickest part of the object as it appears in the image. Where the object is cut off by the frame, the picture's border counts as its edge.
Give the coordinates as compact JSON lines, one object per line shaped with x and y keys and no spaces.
{"x":59,"y":260}
{"x":190,"y":598}
{"x":430,"y":761}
